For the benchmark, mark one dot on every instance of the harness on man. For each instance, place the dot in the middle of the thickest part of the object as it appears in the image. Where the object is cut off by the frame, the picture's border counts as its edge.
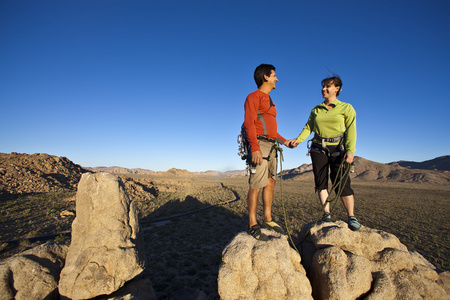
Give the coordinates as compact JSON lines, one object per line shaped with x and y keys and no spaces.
{"x":244,"y":146}
{"x":322,"y":147}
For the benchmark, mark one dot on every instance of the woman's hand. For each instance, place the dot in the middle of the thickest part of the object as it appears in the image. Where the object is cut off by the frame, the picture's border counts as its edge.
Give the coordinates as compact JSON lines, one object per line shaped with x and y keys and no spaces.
{"x":291,"y":143}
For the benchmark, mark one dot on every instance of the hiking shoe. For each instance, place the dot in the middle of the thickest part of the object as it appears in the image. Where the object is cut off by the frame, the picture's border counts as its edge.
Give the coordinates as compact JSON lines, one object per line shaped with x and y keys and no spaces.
{"x":255,"y":231}
{"x":326,"y":217}
{"x":274,"y":226}
{"x":353,"y":224}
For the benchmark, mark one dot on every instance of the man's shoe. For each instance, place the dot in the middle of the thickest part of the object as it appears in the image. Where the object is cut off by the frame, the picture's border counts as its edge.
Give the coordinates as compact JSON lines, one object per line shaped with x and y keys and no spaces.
{"x":274,"y":226}
{"x":255,"y":231}
{"x":353,"y":224}
{"x":326,"y":217}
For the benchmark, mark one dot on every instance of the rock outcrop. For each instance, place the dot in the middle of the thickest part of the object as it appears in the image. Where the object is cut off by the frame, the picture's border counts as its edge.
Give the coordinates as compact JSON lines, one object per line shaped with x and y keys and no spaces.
{"x":373,"y":264}
{"x":338,"y":264}
{"x":254,"y":269}
{"x":33,"y":274}
{"x":37,"y":173}
{"x":106,"y":249}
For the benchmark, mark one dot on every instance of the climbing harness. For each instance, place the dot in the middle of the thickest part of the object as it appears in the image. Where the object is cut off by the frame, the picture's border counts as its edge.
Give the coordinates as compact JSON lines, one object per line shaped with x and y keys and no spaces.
{"x":244,"y":150}
{"x":322,"y":147}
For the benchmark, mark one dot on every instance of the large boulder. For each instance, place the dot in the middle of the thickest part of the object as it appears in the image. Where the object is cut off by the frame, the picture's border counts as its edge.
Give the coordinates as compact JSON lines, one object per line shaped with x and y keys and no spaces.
{"x":136,"y":289}
{"x":33,"y":274}
{"x":253,"y":269}
{"x":343,"y":264}
{"x":107,"y":247}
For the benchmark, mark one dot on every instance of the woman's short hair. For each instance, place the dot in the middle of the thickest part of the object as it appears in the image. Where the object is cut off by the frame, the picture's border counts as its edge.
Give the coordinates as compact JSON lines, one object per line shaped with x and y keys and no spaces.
{"x":260,"y":71}
{"x":335,"y":79}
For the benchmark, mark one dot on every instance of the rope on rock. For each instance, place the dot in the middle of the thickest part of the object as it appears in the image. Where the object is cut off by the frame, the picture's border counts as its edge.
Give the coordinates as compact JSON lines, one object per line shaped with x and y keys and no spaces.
{"x":288,"y":228}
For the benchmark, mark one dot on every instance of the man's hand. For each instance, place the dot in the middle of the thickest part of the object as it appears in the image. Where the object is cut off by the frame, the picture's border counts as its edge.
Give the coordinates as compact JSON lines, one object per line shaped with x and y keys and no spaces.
{"x":291,"y":143}
{"x":349,"y":157}
{"x":257,"y":157}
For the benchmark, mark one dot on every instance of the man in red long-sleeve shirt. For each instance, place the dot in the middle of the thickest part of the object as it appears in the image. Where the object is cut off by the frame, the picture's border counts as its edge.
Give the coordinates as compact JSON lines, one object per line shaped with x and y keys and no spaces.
{"x":261,"y":128}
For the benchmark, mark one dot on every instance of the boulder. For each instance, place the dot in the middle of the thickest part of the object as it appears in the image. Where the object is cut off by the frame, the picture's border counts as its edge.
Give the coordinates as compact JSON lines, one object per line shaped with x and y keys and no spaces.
{"x":136,"y":289}
{"x":33,"y":274}
{"x":253,"y":269}
{"x":368,"y":263}
{"x":107,"y":247}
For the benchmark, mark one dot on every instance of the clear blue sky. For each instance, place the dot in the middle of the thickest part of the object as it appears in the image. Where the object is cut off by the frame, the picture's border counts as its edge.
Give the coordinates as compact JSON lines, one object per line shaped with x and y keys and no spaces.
{"x":162,"y":84}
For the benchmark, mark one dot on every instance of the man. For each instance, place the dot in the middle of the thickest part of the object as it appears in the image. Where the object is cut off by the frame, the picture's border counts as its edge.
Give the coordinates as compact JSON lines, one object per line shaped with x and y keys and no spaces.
{"x":261,"y":128}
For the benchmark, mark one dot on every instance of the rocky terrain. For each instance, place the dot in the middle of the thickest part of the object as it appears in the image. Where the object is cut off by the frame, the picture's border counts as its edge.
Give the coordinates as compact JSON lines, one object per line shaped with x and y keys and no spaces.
{"x":112,"y":256}
{"x":184,"y":254}
{"x":37,"y":173}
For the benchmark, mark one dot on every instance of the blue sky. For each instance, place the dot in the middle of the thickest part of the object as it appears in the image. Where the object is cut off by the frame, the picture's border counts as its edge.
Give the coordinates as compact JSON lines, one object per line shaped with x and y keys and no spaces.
{"x":161,"y":84}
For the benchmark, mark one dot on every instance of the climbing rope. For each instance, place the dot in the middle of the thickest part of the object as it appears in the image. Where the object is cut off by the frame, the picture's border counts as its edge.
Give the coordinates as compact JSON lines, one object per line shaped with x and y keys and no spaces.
{"x":288,"y":228}
{"x":338,"y":187}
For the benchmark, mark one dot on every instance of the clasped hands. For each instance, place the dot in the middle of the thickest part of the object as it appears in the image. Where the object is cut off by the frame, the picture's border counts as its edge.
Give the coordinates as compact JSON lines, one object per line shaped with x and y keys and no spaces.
{"x":291,"y":143}
{"x":257,"y":155}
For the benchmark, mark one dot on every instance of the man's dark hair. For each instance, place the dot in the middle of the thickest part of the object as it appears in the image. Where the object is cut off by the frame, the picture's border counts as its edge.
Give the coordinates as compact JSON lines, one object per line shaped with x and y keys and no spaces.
{"x":335,"y":79}
{"x":260,"y":71}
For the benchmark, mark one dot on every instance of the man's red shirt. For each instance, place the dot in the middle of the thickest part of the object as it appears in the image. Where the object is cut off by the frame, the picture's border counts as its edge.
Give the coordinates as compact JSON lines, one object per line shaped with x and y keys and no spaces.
{"x":259,"y":100}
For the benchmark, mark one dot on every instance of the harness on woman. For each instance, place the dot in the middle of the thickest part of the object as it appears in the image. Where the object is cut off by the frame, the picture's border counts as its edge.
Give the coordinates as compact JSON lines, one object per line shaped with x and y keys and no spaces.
{"x":322,"y":147}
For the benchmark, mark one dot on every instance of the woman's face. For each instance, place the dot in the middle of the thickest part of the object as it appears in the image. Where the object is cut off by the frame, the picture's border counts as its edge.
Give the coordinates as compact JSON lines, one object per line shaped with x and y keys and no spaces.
{"x":329,"y":90}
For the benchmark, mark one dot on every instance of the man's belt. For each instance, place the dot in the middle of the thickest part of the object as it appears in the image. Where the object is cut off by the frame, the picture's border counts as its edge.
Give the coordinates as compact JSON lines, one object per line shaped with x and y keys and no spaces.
{"x":264,"y":138}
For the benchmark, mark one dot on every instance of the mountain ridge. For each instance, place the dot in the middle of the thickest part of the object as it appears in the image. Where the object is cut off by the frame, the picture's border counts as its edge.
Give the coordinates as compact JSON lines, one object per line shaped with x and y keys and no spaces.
{"x":39,"y":172}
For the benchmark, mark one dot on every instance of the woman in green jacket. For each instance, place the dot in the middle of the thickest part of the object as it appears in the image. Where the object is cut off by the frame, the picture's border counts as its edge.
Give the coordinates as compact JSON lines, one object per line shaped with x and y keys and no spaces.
{"x":334,"y":125}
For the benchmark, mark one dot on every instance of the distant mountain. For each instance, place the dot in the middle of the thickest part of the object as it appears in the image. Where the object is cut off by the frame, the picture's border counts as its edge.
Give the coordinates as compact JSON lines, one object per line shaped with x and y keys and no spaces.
{"x":441,"y":163}
{"x":172,"y":171}
{"x":223,"y":174}
{"x":120,"y":170}
{"x":366,"y":170}
{"x":304,"y":172}
{"x":25,"y":173}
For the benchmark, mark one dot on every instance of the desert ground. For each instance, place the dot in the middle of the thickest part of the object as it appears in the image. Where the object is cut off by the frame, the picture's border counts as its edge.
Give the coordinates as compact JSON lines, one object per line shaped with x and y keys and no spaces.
{"x":186,"y":250}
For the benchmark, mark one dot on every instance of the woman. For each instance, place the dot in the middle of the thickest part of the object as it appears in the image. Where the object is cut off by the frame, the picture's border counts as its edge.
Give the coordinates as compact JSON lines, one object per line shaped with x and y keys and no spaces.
{"x":334,"y":125}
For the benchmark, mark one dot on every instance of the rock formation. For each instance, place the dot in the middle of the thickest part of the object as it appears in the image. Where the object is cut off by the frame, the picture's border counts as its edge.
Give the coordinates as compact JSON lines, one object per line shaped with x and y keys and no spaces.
{"x":343,"y":264}
{"x":254,"y":269}
{"x":37,"y":173}
{"x":339,"y":263}
{"x":33,"y":274}
{"x":136,"y":289}
{"x":106,"y":249}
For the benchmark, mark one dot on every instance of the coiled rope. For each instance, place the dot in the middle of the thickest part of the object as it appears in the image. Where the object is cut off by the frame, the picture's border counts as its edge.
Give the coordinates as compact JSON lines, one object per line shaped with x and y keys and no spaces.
{"x":338,"y":187}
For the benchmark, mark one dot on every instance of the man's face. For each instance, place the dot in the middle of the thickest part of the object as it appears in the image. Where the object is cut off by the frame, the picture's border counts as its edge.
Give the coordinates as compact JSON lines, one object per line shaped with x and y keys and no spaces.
{"x":272,"y":79}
